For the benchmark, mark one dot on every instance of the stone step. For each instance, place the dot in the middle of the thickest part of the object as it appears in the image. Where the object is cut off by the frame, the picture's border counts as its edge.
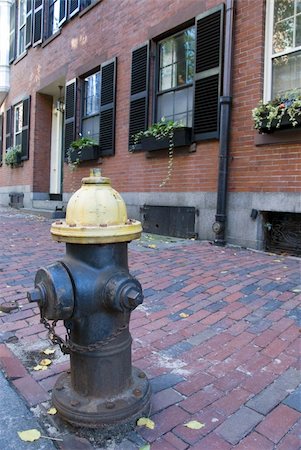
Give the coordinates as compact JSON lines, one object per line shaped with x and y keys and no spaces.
{"x":48,"y":204}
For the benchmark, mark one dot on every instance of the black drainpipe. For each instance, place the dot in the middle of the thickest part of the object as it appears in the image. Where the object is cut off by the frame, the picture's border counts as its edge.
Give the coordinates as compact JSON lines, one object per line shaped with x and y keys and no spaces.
{"x":219,"y":226}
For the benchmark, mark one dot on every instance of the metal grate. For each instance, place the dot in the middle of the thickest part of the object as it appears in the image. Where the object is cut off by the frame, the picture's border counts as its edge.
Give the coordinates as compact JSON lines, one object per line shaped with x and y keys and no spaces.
{"x":283,"y":232}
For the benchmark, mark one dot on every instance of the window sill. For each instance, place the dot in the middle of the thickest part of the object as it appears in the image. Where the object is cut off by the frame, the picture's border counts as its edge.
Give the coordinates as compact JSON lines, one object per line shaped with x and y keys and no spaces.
{"x":20,"y":57}
{"x":51,"y":38}
{"x":88,"y":8}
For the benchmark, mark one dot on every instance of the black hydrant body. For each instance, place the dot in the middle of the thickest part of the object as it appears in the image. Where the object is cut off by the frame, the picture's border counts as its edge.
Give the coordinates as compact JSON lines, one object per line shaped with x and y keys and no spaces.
{"x":92,"y":290}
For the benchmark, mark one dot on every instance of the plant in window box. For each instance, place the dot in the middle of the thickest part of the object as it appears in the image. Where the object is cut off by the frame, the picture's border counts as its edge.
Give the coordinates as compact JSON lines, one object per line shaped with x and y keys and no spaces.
{"x":281,"y":112}
{"x":82,"y":149}
{"x":13,"y":156}
{"x":164,"y":134}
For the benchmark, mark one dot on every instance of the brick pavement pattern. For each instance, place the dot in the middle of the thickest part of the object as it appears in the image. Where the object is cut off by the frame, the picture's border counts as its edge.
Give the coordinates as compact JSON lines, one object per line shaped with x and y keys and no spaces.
{"x":218,"y":336}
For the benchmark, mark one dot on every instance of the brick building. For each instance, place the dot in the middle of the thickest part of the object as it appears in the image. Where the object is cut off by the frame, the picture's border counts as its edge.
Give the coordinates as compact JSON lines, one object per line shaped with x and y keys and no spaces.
{"x":109,"y":69}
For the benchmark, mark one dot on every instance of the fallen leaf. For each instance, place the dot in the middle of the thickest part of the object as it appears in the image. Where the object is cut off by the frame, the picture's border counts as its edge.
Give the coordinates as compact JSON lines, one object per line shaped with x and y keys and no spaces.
{"x":145,"y":447}
{"x":146,"y":422}
{"x":39,"y":367}
{"x":194,"y":425}
{"x":49,"y":351}
{"x":183,"y":315}
{"x":29,"y":435}
{"x":45,"y":362}
{"x":152,"y":246}
{"x":52,"y":411}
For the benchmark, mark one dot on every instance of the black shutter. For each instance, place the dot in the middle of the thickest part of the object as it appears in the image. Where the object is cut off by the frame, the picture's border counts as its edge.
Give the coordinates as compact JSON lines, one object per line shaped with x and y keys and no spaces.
{"x":138,"y":120}
{"x":107,"y":108}
{"x":70,"y":115}
{"x":8,"y":130}
{"x":28,"y":23}
{"x":1,"y":138}
{"x":208,"y":72}
{"x":12,"y":32}
{"x":63,"y":11}
{"x":73,"y":7}
{"x":25,"y":129}
{"x":37,"y":22}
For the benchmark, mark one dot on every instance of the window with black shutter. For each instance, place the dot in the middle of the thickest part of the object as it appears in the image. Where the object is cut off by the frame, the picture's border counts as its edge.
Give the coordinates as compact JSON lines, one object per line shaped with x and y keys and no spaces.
{"x":12,"y":32}
{"x":208,"y":72}
{"x":70,"y":115}
{"x":28,"y":23}
{"x":8,"y":129}
{"x":107,"y":108}
{"x":1,"y":138}
{"x":138,"y":120}
{"x":25,"y":129}
{"x":74,"y":6}
{"x":63,"y":11}
{"x":37,"y":21}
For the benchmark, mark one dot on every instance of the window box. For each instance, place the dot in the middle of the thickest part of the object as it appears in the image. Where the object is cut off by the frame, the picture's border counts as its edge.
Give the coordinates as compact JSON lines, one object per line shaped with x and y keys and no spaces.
{"x":284,"y":124}
{"x":182,"y":138}
{"x":86,"y":153}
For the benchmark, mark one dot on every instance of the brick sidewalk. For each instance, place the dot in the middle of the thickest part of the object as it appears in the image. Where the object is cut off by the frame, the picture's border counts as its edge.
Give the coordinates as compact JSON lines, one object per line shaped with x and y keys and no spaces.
{"x":230,"y":361}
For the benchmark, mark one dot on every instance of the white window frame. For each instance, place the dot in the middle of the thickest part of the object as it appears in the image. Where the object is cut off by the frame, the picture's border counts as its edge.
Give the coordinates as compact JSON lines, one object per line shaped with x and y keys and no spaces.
{"x":21,"y":26}
{"x":16,"y":132}
{"x":267,"y":91}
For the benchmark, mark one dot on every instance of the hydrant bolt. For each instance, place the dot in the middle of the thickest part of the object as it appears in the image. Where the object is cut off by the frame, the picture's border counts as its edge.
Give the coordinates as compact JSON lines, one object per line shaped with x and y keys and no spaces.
{"x":35,"y":295}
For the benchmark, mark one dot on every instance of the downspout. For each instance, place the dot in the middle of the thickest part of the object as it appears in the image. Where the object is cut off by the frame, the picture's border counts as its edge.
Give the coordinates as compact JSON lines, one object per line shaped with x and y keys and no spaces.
{"x":219,"y":226}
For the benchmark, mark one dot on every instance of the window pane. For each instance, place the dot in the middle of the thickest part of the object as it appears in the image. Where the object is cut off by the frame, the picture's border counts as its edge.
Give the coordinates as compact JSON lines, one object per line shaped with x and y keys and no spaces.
{"x":166,"y":78}
{"x":298,"y":30}
{"x":166,"y":53}
{"x":286,"y":73}
{"x":22,"y":40}
{"x":298,"y":6}
{"x":90,"y":128}
{"x":283,"y":9}
{"x":54,"y":17}
{"x":92,"y":94}
{"x":22,"y":12}
{"x":181,"y":100}
{"x":165,"y":105}
{"x":18,"y":118}
{"x":283,"y":35}
{"x":181,"y":118}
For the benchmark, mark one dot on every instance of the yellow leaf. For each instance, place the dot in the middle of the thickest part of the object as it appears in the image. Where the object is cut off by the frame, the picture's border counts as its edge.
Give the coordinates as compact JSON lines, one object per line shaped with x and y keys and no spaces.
{"x":49,"y":351}
{"x":194,"y":425}
{"x":183,"y":315}
{"x":29,"y":435}
{"x":146,"y":422}
{"x":45,"y":362}
{"x":39,"y":367}
{"x":145,"y":447}
{"x":152,"y":245}
{"x":52,"y":411}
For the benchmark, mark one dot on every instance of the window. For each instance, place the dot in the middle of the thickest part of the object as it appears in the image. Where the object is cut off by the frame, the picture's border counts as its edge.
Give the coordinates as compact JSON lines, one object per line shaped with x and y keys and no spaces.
{"x":17,"y":127}
{"x":18,"y":123}
{"x":188,"y":78}
{"x":53,"y":17}
{"x":283,"y":47}
{"x":175,"y":80}
{"x":91,"y":106}
{"x":21,"y":27}
{"x":97,"y":96}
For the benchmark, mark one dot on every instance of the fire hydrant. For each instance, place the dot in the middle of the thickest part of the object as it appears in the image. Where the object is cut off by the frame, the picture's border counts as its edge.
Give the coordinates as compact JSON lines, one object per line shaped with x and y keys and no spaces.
{"x":92,"y":291}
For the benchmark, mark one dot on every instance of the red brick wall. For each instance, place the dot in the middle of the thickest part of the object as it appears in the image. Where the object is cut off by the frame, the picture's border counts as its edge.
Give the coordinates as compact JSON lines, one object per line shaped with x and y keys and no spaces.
{"x":114,"y":28}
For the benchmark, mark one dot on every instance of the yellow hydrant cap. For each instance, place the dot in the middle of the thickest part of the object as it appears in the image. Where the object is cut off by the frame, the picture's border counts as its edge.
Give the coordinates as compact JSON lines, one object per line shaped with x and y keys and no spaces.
{"x":96,"y":214}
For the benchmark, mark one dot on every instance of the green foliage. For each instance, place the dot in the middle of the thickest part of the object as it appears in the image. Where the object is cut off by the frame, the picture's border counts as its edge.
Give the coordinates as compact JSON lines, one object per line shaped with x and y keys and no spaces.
{"x":75,"y":148}
{"x":160,"y":130}
{"x":269,"y":115}
{"x":13,"y":156}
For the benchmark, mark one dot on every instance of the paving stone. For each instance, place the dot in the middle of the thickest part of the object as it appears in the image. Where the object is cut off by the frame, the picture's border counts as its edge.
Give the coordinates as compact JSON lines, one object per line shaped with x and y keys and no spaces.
{"x":30,"y":390}
{"x":239,"y":425}
{"x":202,"y":337}
{"x":176,"y":350}
{"x":211,"y":442}
{"x":165,"y":381}
{"x":270,"y":397}
{"x":276,"y":424}
{"x":294,"y":400}
{"x":255,"y":441}
{"x":165,"y":398}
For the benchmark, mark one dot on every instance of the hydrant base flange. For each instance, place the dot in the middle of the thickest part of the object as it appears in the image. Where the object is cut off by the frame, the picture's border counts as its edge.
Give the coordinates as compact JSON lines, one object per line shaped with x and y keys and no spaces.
{"x":90,"y":412}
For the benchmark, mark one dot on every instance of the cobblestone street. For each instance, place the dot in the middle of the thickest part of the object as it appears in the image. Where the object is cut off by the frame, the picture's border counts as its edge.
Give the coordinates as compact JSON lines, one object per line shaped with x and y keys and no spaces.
{"x":217,"y":335}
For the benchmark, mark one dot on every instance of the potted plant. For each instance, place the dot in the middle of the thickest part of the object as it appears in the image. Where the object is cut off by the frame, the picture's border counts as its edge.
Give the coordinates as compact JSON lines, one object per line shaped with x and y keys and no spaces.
{"x":280,"y":113}
{"x":161,"y":135}
{"x":13,"y":156}
{"x":82,"y":149}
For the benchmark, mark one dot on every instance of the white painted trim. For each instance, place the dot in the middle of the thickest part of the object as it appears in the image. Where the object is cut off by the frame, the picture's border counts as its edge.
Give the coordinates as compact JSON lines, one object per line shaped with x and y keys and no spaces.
{"x":267,"y":87}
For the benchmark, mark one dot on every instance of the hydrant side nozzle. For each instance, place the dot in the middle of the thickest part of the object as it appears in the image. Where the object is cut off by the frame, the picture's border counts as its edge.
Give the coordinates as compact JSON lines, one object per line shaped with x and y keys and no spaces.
{"x":133,"y":298}
{"x":36,"y":295}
